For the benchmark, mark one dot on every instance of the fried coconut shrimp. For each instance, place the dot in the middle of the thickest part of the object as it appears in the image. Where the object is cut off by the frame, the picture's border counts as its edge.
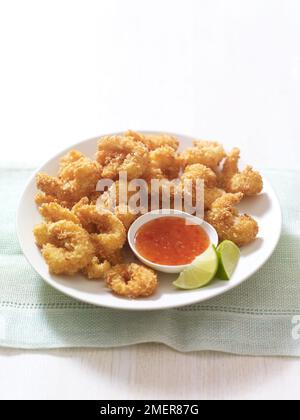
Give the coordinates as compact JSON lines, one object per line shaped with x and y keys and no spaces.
{"x":41,"y":234}
{"x":230,"y":225}
{"x":66,"y":247}
{"x":110,"y":201}
{"x":53,"y":212}
{"x":42,"y":198}
{"x":118,"y":192}
{"x":155,"y":141}
{"x":75,"y":180}
{"x":116,"y":258}
{"x":166,"y":160}
{"x":248,"y":182}
{"x":106,"y":230}
{"x":211,"y":195}
{"x":200,"y":172}
{"x":70,"y":158}
{"x":208,"y":153}
{"x":84,"y":230}
{"x":122,"y":154}
{"x":131,"y":280}
{"x":126,"y":215}
{"x":96,"y":269}
{"x":153,"y":174}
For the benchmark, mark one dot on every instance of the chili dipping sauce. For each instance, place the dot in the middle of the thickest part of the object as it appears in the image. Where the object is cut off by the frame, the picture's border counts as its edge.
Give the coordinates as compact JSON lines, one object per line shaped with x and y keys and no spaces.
{"x":171,"y":241}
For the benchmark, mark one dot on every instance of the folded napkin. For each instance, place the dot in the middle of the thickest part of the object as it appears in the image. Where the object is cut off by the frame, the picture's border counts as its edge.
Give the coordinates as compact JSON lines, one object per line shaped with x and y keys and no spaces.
{"x":260,"y":317}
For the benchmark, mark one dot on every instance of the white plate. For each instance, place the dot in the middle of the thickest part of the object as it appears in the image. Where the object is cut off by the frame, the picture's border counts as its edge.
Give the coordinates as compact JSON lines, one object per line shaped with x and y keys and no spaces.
{"x":265,"y":208}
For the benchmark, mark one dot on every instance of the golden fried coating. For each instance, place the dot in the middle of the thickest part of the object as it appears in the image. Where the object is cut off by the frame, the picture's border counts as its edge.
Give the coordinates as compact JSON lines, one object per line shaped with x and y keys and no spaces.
{"x":76,"y":180}
{"x":42,"y":198}
{"x":106,"y":230}
{"x":126,"y":215}
{"x":53,"y":212}
{"x":155,"y":141}
{"x":167,"y":161}
{"x":41,"y":234}
{"x":122,"y":154}
{"x":132,"y":280}
{"x":84,"y":201}
{"x":208,"y":153}
{"x":85,"y":231}
{"x":81,"y":177}
{"x":97,"y":263}
{"x":248,"y":182}
{"x":51,"y":186}
{"x":68,"y":248}
{"x":211,"y":195}
{"x":114,"y":199}
{"x":162,"y":194}
{"x":96,"y":269}
{"x":240,"y":229}
{"x":70,"y":158}
{"x":136,"y":136}
{"x":152,"y":173}
{"x":200,"y":172}
{"x":111,"y":201}
{"x":228,"y":201}
{"x":116,"y":258}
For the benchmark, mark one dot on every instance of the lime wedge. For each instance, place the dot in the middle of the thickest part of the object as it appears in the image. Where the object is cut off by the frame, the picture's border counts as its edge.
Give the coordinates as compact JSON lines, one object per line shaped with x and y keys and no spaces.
{"x":201,"y":272}
{"x":229,"y":255}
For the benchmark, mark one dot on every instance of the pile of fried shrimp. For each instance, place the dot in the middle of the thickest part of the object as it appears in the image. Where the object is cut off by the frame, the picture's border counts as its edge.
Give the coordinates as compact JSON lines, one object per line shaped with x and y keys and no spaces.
{"x":78,"y":237}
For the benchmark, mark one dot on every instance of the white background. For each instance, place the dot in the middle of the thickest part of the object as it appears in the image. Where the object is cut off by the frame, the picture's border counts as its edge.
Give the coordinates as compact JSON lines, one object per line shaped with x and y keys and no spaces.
{"x":227,"y":70}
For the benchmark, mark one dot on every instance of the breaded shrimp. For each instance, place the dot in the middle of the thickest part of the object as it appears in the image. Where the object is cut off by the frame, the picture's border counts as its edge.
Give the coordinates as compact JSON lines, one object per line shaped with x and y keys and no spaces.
{"x":118,"y":194}
{"x":41,"y":234}
{"x":230,"y":225}
{"x":200,"y":172}
{"x":167,"y":161}
{"x":126,"y":215}
{"x":153,"y":173}
{"x":122,"y":154}
{"x":106,"y":230}
{"x":66,"y":247}
{"x":155,"y":141}
{"x":211,"y":195}
{"x":131,"y":280}
{"x":96,"y":269}
{"x":42,"y":198}
{"x":208,"y":153}
{"x":54,"y":212}
{"x":76,"y":180}
{"x":70,"y":158}
{"x":248,"y":181}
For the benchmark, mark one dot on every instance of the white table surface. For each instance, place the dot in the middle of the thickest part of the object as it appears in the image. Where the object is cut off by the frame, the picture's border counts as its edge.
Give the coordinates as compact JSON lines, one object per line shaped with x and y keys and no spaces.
{"x":227,"y":70}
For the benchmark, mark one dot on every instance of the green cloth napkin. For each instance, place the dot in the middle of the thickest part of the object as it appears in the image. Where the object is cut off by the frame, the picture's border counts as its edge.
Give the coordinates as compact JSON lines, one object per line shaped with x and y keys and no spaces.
{"x":255,"y":318}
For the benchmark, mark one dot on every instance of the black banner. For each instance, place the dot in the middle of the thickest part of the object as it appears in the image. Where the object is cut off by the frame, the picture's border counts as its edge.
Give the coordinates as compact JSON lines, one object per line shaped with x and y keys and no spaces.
{"x":137,"y":409}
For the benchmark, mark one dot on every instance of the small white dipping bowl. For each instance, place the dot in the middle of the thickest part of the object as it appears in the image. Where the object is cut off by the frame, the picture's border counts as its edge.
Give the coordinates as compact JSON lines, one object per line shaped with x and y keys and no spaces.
{"x":157,"y":214}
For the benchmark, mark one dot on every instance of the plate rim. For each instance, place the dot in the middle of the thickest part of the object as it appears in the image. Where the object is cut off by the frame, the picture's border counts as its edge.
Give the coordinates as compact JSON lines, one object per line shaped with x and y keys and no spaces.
{"x":195,"y":300}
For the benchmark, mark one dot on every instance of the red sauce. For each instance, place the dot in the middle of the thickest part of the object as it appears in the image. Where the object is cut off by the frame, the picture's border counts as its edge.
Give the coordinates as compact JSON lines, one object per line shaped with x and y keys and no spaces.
{"x":171,"y":241}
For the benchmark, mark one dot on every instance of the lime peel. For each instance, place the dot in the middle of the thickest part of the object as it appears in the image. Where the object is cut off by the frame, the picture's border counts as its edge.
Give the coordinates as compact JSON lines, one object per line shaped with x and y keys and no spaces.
{"x":229,"y":255}
{"x":201,"y":272}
